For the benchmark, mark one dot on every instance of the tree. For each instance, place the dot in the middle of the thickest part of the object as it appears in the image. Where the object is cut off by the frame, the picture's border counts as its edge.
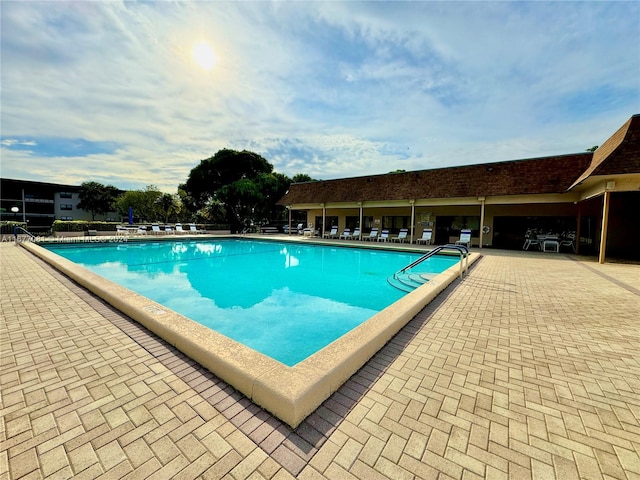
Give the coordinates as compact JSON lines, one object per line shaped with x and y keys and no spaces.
{"x":97,"y":198}
{"x":228,"y":179}
{"x":143,"y":202}
{"x":169,"y":205}
{"x":301,"y":178}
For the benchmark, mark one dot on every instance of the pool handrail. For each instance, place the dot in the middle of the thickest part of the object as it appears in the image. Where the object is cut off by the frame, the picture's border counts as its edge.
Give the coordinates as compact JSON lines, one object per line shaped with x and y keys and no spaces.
{"x":16,"y":228}
{"x":463,"y":250}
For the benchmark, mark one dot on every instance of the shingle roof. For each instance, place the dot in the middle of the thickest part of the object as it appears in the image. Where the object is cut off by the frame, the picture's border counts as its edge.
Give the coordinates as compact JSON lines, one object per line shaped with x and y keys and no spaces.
{"x":620,"y":154}
{"x":520,"y":177}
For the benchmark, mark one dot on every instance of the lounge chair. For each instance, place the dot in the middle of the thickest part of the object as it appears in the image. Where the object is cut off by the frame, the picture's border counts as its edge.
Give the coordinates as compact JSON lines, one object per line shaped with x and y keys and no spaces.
{"x":427,"y":233}
{"x":373,"y":235}
{"x":384,"y":236}
{"x":346,"y":234}
{"x":300,"y":228}
{"x":194,"y":229}
{"x":356,"y":234}
{"x":402,"y":236}
{"x":155,"y":229}
{"x":332,"y":234}
{"x":179,"y":229}
{"x":168,"y":230}
{"x":141,"y":230}
{"x":465,"y":238}
{"x":120,"y":231}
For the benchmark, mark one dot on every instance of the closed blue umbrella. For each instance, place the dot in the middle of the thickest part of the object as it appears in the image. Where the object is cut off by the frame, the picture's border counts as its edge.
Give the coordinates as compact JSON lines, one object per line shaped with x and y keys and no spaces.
{"x":130,"y":216}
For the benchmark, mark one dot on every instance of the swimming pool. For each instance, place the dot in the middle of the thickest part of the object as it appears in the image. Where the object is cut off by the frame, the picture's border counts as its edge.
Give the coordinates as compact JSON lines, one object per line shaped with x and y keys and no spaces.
{"x":285,"y":300}
{"x":289,"y":393}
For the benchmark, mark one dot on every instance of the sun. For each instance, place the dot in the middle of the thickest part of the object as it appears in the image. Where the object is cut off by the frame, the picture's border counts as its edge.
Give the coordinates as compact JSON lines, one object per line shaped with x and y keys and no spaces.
{"x":204,"y":55}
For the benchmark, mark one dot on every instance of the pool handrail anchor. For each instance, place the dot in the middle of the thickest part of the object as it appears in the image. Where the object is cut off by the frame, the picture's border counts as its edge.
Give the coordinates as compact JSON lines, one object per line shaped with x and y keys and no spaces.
{"x":462,"y":250}
{"x":16,"y":228}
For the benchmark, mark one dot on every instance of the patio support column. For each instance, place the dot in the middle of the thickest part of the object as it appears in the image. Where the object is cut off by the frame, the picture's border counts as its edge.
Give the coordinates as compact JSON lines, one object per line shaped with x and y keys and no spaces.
{"x":289,"y":208}
{"x":413,"y":219}
{"x":579,"y":220}
{"x":360,"y":222}
{"x":482,"y":199}
{"x":605,"y":225}
{"x":324,"y":215}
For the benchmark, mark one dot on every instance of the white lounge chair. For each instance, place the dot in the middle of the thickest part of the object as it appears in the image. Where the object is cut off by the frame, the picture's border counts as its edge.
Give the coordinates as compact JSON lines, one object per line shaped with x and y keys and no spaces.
{"x":373,"y":235}
{"x":194,"y":229}
{"x":300,"y":228}
{"x":465,"y":238}
{"x":332,"y":234}
{"x":346,"y":234}
{"x":402,"y":236}
{"x":168,"y":230}
{"x":384,"y":236}
{"x":155,"y":229}
{"x":141,"y":230}
{"x":121,"y":231}
{"x":179,"y":229}
{"x":356,"y":233}
{"x":427,"y":233}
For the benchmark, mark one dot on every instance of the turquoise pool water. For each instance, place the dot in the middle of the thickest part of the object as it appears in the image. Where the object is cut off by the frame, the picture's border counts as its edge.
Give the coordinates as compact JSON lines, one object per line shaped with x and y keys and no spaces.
{"x":285,"y":300}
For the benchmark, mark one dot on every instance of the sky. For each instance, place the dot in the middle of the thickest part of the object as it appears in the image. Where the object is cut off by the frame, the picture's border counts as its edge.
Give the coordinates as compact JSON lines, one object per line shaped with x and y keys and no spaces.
{"x":112,"y":92}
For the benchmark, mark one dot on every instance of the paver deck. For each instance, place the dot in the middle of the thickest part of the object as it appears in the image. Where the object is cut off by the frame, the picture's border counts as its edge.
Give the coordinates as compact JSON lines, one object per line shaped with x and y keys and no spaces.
{"x":527,"y":368}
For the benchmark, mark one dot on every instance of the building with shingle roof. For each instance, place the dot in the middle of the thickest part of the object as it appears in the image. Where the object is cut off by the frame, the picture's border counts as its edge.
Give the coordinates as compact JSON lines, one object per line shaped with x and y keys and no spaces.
{"x":594,"y":196}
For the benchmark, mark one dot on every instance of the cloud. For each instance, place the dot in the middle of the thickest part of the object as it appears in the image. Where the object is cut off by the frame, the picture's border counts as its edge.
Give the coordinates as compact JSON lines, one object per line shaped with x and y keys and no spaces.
{"x":330,"y":89}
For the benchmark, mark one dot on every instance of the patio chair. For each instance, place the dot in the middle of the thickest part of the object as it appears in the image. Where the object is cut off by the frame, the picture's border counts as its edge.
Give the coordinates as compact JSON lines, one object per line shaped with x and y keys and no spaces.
{"x":194,"y":229}
{"x":530,"y":238}
{"x":465,"y":238}
{"x":402,"y":236}
{"x":120,"y":231}
{"x":332,"y":234}
{"x":384,"y":236}
{"x":179,"y":229}
{"x":300,"y":228}
{"x":155,"y":229}
{"x":356,"y":233}
{"x":168,"y":230}
{"x":142,"y":230}
{"x":568,"y":240}
{"x":427,"y":233}
{"x":346,"y":234}
{"x":373,"y":235}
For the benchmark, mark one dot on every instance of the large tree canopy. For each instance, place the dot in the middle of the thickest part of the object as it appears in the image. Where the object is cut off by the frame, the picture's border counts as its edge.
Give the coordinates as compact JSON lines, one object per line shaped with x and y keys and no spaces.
{"x":225,"y":167}
{"x":242,"y":186}
{"x":97,"y":198}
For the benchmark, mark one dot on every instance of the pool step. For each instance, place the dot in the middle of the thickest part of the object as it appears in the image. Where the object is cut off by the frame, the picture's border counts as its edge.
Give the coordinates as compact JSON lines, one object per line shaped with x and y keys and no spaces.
{"x":407,"y":282}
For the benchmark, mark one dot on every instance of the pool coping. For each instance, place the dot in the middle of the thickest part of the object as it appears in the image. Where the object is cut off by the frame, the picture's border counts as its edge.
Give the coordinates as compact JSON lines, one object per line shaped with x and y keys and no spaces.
{"x":289,"y":393}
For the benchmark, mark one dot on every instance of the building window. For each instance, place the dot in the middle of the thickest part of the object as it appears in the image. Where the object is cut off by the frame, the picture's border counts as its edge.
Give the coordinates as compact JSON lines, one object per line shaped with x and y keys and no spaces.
{"x":66,"y":206}
{"x":66,"y":217}
{"x":66,"y":195}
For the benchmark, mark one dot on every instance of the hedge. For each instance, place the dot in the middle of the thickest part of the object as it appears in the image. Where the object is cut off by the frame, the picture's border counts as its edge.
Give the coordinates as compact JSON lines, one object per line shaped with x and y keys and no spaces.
{"x":6,"y":227}
{"x":83,"y":226}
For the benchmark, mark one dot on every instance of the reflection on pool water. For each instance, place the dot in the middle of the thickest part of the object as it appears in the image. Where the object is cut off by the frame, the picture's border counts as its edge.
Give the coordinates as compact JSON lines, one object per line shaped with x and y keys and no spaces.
{"x":285,"y":300}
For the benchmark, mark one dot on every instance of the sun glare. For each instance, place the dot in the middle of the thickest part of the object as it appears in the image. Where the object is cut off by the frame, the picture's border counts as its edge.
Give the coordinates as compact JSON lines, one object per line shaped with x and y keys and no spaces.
{"x":204,"y":55}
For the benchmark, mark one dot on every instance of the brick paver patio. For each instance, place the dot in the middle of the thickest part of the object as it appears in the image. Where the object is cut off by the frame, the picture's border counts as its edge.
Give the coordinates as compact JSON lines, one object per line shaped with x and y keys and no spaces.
{"x":527,"y":368}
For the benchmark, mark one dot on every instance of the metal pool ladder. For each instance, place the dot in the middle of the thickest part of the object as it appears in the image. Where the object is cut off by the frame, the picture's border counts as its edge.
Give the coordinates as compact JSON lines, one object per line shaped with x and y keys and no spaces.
{"x":406,"y":281}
